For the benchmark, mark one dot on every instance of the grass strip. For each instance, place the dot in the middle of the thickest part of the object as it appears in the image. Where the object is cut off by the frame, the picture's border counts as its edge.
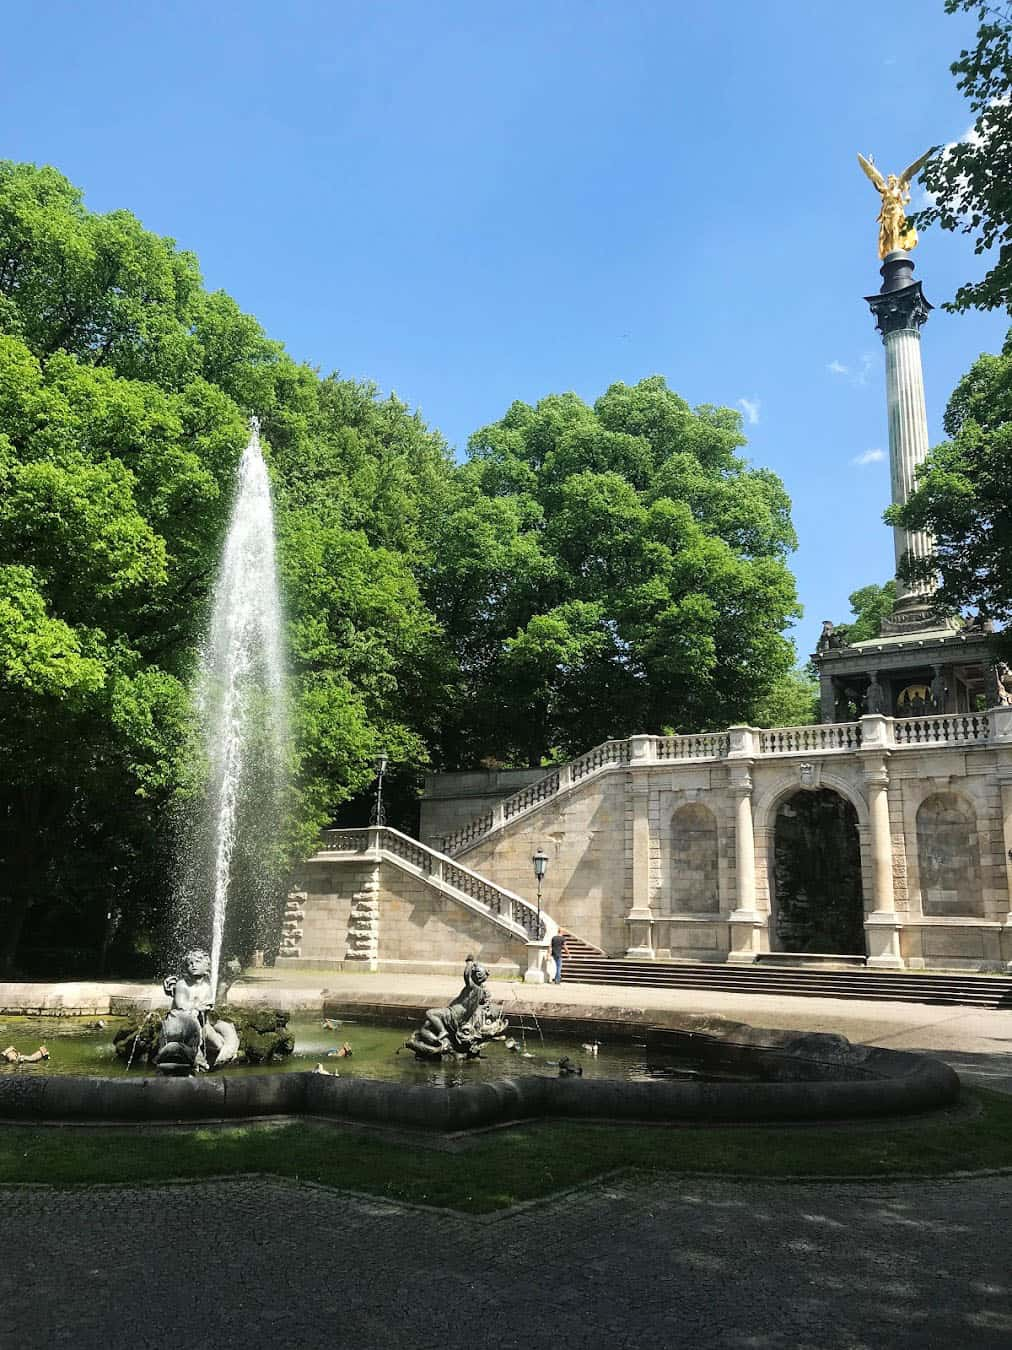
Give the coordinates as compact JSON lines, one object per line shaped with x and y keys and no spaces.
{"x":509,"y":1166}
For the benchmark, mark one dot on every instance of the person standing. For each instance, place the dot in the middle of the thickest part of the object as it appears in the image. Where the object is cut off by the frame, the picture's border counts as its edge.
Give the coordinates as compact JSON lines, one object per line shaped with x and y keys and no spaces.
{"x":558,"y":948}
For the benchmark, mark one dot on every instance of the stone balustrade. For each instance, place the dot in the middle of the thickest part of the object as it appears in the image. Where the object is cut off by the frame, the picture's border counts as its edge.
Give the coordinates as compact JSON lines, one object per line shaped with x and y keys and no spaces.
{"x":742,"y":742}
{"x":512,"y":911}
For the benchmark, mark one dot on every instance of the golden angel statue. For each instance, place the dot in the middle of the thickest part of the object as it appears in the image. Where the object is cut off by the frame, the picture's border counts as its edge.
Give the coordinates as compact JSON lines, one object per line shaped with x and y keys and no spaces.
{"x":894,"y":232}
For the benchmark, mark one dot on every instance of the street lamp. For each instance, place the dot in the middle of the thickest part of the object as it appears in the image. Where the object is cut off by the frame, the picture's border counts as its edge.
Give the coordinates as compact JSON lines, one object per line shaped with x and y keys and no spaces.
{"x":380,"y":765}
{"x":540,"y":861}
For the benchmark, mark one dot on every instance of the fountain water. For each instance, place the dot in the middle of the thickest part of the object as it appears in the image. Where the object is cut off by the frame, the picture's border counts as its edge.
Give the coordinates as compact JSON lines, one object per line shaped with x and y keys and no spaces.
{"x":240,"y":692}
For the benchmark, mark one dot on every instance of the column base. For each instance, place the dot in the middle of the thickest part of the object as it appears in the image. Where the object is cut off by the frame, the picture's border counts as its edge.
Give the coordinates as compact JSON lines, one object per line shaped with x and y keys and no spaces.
{"x":640,"y":924}
{"x":745,"y":927}
{"x":882,"y":934}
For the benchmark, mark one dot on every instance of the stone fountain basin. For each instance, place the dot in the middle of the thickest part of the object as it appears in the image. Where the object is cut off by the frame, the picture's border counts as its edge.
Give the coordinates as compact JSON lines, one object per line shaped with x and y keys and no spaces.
{"x":792,"y":1076}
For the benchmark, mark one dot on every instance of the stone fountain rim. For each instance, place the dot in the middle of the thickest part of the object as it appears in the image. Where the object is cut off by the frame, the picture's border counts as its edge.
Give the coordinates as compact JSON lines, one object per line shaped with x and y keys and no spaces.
{"x":865,"y":1081}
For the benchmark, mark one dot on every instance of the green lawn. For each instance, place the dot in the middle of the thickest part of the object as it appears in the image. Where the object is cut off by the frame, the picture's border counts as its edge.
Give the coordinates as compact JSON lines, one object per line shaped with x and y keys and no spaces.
{"x":508,"y":1166}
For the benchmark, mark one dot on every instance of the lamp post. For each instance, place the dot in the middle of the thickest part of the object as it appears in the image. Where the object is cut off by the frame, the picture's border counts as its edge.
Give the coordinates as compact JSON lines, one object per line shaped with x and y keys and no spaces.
{"x":540,"y":861}
{"x":380,"y":765}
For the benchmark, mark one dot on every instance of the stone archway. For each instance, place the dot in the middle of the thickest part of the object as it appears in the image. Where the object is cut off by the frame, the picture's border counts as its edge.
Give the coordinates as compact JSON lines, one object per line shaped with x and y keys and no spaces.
{"x":818,"y":902}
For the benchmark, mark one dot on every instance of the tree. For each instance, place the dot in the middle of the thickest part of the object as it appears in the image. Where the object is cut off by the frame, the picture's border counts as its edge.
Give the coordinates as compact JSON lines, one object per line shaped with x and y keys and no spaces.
{"x":962,"y":495}
{"x":793,"y":701}
{"x":971,"y":182}
{"x":869,"y":606}
{"x":124,"y":393}
{"x":610,"y":569}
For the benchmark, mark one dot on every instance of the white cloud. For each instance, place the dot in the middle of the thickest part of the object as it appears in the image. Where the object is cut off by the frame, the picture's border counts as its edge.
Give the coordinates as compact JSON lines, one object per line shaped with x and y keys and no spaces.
{"x":869,"y":457}
{"x":857,"y":373}
{"x":750,"y":407}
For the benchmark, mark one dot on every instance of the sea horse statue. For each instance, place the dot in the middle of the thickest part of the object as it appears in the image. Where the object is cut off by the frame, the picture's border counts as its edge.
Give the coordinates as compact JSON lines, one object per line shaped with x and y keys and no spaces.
{"x":189,"y":1041}
{"x":461,"y":1029}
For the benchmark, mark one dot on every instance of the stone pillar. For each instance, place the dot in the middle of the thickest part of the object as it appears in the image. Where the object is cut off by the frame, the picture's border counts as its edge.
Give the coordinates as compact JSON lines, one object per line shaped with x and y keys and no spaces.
{"x":745,"y":923}
{"x":639,"y":920}
{"x":900,"y":310}
{"x":882,"y":926}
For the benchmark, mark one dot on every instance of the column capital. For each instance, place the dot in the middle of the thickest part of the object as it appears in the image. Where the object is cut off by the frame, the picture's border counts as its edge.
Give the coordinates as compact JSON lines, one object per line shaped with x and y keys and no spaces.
{"x":900,"y":304}
{"x":875,"y":770}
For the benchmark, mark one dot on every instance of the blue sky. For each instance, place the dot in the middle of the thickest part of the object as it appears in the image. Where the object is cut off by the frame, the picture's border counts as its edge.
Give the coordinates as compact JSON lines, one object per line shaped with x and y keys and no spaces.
{"x":472,"y":203}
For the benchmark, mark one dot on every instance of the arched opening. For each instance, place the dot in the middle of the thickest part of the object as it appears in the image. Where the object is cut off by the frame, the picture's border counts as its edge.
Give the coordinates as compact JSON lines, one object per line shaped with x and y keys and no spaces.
{"x":818,"y":901}
{"x":948,"y":856}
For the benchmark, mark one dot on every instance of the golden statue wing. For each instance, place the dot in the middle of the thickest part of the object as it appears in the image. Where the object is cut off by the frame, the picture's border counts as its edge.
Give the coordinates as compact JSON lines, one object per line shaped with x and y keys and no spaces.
{"x":909,"y":174}
{"x":872,"y":172}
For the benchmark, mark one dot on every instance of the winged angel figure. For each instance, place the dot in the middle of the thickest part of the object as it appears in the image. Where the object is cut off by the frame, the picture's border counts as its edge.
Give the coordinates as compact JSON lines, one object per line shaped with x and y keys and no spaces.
{"x":893,"y":231}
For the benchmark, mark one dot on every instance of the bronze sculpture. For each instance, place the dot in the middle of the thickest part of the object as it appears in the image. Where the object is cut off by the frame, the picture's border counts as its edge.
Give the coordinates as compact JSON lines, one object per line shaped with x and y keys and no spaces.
{"x":461,"y":1029}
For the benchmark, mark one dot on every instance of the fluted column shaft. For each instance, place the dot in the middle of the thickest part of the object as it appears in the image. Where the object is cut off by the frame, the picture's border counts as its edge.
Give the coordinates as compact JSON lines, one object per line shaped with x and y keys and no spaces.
{"x":908,"y":444}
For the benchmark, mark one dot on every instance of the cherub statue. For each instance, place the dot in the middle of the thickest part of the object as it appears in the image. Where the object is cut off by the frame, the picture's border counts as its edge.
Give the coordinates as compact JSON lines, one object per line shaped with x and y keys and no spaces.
{"x":190,"y":1042}
{"x":461,"y":1028}
{"x":894,"y":232}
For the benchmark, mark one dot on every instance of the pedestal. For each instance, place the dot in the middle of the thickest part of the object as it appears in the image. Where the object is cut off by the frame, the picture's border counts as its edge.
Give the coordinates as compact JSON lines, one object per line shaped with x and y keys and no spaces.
{"x":640,"y":926}
{"x":537,"y":954}
{"x":745,"y":928}
{"x":882,"y":934}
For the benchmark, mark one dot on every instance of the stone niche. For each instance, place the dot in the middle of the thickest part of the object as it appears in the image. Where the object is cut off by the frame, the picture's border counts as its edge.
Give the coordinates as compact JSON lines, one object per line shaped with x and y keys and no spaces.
{"x":948,"y":857}
{"x":693,"y":886}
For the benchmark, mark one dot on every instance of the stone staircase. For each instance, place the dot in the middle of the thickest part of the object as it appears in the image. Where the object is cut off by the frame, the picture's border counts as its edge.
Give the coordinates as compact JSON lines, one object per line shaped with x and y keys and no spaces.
{"x":586,"y":965}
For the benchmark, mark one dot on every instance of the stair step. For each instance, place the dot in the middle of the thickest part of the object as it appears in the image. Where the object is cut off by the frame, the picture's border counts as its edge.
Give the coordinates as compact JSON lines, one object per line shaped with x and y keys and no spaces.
{"x":812,"y":982}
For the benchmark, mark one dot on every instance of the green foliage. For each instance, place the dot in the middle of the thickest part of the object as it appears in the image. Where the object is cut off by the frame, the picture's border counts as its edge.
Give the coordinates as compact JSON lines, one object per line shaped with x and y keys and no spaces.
{"x":869,"y":606}
{"x":124,"y":392}
{"x":971,"y":182}
{"x":793,"y":701}
{"x":962,"y":495}
{"x":610,"y":569}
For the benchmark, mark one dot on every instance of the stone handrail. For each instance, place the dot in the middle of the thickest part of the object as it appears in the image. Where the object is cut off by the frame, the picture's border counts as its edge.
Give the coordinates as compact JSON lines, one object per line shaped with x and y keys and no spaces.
{"x":945,"y":729}
{"x":814,"y":739}
{"x":707,"y":745}
{"x":873,"y":731}
{"x":512,"y":910}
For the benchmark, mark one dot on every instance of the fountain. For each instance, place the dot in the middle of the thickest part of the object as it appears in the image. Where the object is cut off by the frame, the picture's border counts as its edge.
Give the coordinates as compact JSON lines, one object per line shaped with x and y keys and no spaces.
{"x":240,"y":700}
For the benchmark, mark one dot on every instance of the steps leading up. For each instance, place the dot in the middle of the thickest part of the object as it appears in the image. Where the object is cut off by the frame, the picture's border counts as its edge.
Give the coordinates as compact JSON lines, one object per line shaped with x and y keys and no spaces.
{"x":980,"y":991}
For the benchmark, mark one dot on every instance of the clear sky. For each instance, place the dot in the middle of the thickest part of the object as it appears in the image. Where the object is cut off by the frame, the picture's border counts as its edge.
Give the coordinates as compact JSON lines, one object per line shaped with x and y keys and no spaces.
{"x":470,"y":203}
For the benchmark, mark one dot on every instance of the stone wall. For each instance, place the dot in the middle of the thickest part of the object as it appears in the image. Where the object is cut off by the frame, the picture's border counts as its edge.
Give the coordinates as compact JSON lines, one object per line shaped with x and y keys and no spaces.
{"x":584,"y":834}
{"x":358,"y":913}
{"x":450,"y":800}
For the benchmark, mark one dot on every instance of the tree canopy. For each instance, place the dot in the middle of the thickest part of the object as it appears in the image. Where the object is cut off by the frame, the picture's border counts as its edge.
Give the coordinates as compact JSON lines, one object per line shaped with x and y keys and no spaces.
{"x":970,"y":182}
{"x":588,"y":572}
{"x":124,"y":392}
{"x":962,"y":495}
{"x":610,"y":569}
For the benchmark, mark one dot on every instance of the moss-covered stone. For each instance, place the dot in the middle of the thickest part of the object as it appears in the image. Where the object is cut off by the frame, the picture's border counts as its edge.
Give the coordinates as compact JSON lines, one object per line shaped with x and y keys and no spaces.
{"x":145,"y":1031}
{"x":263,"y":1034}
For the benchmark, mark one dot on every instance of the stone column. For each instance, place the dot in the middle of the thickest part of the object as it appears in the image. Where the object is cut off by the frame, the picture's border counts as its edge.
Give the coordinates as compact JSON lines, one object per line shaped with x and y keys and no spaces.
{"x":882,"y":926}
{"x":1001,"y":739}
{"x":745,"y":922}
{"x":639,"y":920}
{"x":900,"y":309}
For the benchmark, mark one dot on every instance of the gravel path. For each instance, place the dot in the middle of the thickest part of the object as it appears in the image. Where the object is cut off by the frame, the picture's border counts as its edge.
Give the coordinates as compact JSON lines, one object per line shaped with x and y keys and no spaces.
{"x":631,"y":1262}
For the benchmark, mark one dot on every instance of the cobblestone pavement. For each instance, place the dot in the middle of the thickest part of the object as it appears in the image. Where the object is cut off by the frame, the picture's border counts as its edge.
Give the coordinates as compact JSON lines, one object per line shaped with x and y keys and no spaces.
{"x":630,"y":1262}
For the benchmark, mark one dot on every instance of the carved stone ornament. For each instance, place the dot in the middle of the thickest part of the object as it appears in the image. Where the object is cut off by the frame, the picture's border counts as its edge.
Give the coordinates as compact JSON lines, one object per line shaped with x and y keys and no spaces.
{"x":810,"y":775}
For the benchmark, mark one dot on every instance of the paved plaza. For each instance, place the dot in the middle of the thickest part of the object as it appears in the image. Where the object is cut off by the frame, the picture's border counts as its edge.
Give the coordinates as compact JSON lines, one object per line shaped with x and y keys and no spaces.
{"x":630,"y":1262}
{"x":627,"y":1262}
